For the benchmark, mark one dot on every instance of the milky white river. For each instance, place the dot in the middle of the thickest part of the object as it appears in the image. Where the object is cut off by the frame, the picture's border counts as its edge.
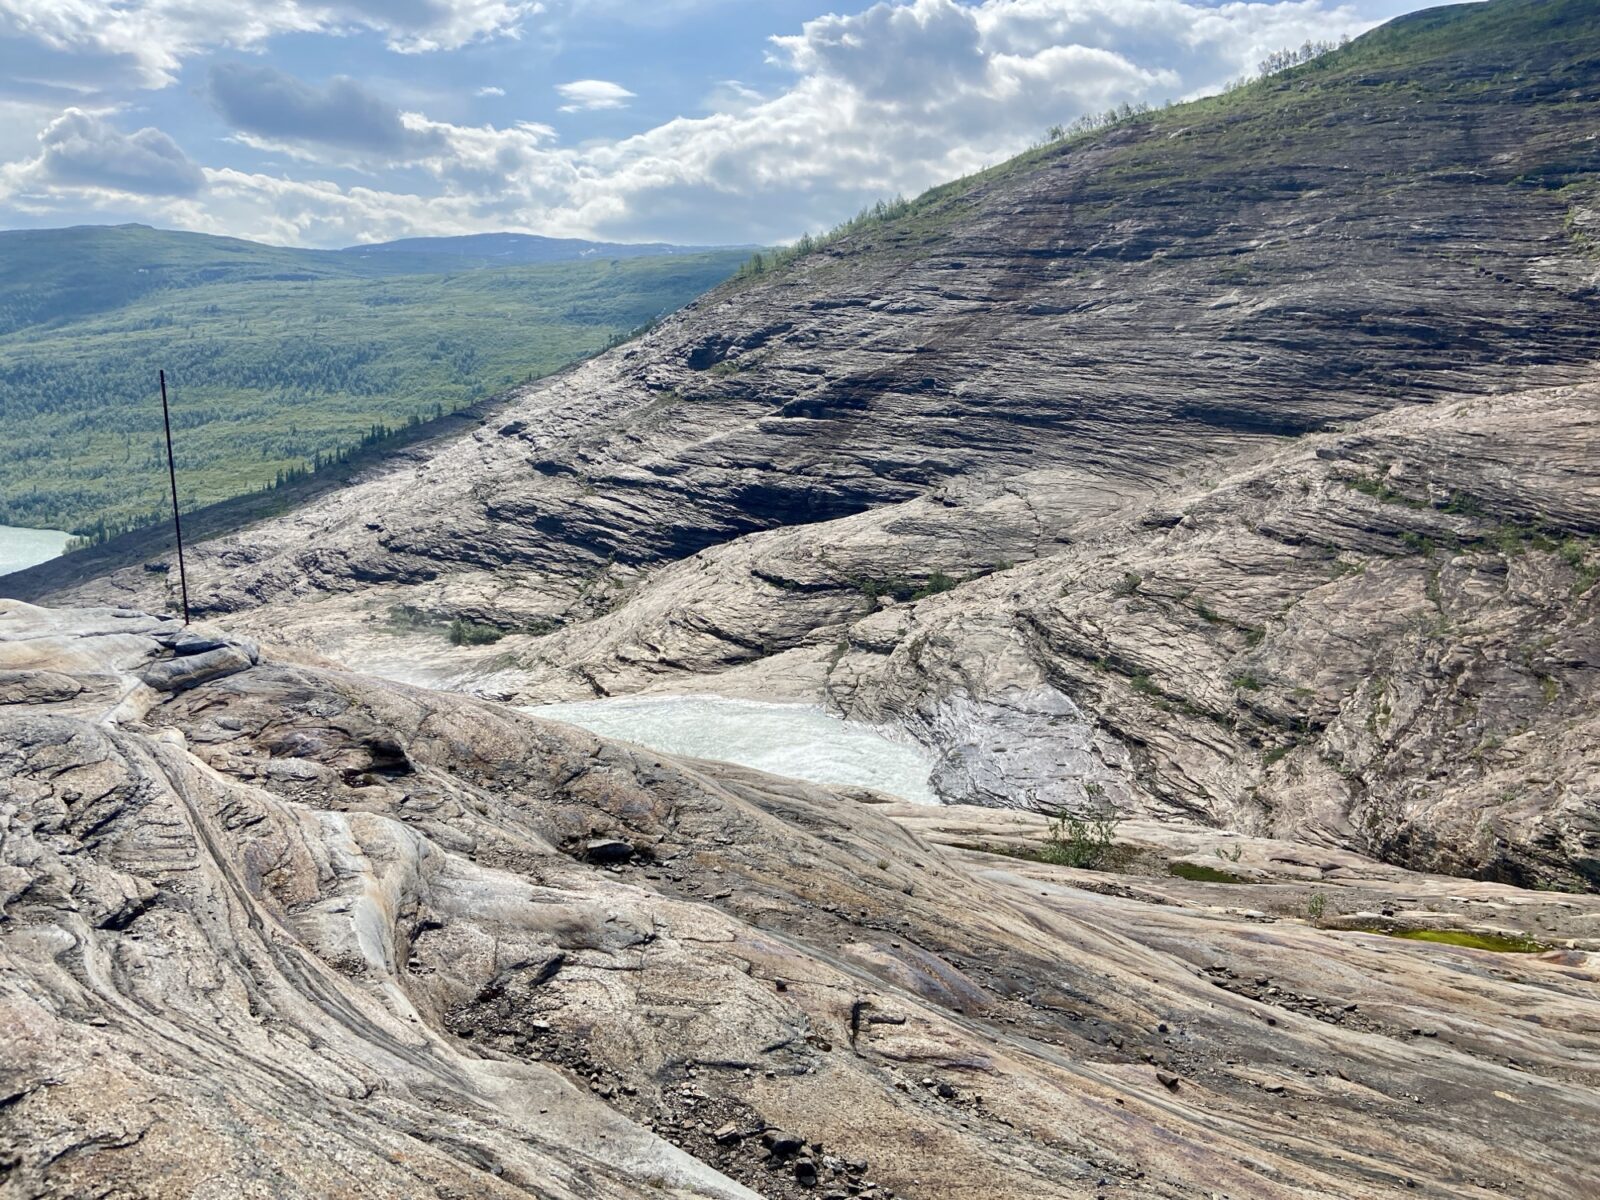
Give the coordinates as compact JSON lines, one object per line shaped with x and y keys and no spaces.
{"x":800,"y":741}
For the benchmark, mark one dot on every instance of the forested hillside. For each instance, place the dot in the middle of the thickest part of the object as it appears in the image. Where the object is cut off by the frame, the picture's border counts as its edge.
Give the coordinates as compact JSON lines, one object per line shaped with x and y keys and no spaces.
{"x":277,"y":358}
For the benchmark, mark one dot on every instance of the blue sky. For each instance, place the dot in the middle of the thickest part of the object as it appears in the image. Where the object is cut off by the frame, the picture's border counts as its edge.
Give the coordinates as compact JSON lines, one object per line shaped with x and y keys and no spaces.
{"x":332,"y":122}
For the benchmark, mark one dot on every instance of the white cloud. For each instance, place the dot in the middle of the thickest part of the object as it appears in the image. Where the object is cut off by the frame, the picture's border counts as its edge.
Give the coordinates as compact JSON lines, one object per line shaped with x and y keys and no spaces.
{"x":89,"y":46}
{"x":417,"y":26}
{"x":731,"y":96}
{"x":892,"y":99}
{"x":585,"y":94}
{"x":82,"y":151}
{"x":273,"y":109}
{"x":490,"y":91}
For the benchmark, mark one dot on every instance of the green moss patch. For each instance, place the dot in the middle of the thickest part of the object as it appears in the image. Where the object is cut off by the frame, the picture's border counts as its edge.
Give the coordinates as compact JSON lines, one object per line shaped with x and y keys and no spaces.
{"x":1472,"y":941}
{"x":1203,"y":874}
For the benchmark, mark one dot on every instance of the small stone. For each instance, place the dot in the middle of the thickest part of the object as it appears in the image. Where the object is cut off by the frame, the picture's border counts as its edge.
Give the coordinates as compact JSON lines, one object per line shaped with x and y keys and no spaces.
{"x":1167,"y":1080}
{"x":784,"y":1145}
{"x":608,"y":850}
{"x":728,"y":1135}
{"x":946,"y":1091}
{"x":805,"y":1172}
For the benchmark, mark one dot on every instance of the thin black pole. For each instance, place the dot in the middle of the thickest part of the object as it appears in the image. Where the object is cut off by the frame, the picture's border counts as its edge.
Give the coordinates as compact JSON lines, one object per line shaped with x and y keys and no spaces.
{"x":172,"y":476}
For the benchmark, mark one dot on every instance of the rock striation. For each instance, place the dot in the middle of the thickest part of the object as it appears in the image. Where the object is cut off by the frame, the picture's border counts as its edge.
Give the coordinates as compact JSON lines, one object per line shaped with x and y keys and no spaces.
{"x":273,"y":928}
{"x":1232,"y":465}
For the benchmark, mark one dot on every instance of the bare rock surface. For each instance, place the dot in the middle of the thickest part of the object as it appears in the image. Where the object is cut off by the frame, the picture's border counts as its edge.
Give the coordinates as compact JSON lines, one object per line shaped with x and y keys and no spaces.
{"x":291,"y":931}
{"x":1234,"y":465}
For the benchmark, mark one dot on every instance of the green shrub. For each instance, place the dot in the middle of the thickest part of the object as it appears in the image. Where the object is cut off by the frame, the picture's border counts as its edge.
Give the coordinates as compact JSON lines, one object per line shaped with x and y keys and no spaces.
{"x":1082,"y":842}
{"x":936,"y":583}
{"x":1316,"y":907}
{"x":470,"y":633}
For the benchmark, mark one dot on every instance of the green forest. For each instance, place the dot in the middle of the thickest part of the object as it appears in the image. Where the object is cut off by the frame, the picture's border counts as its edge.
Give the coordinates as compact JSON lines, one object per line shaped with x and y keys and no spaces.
{"x":275,"y":359}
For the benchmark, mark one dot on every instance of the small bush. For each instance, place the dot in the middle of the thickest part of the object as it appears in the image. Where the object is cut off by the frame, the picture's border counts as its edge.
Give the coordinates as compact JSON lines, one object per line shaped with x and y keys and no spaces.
{"x":470,"y":633}
{"x":1276,"y":755}
{"x":1129,"y":584}
{"x":1082,"y":842}
{"x":408,"y":616}
{"x":1575,"y":553}
{"x":1464,"y":503}
{"x":936,"y":583}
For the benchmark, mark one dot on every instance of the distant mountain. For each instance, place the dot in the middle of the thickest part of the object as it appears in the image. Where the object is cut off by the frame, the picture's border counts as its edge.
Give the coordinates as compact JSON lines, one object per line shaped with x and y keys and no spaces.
{"x":49,"y":275}
{"x":511,"y":249}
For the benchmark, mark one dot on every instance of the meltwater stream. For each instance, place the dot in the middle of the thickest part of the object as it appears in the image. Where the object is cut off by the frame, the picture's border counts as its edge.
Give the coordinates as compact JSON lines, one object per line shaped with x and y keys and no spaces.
{"x":798,"y":740}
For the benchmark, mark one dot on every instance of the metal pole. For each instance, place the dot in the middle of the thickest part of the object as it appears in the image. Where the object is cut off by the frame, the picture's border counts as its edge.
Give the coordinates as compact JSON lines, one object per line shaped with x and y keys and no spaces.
{"x":172,"y":477}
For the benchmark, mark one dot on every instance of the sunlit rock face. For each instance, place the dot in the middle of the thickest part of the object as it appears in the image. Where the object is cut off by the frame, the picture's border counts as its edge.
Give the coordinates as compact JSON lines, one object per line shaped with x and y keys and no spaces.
{"x":264,"y":919}
{"x":1231,"y":466}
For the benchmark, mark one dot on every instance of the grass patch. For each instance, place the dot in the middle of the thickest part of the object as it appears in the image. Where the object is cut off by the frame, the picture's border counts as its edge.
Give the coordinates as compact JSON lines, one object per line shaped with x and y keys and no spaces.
{"x":1369,"y":485}
{"x":1472,"y":941}
{"x":470,"y":633}
{"x":1575,"y":553}
{"x":906,"y":589}
{"x":1198,"y":873}
{"x":1276,"y":755}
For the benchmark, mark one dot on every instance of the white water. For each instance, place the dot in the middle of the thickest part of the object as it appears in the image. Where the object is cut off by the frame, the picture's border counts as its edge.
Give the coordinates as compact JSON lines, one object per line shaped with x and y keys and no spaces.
{"x":22,"y":548}
{"x":797,"y":740}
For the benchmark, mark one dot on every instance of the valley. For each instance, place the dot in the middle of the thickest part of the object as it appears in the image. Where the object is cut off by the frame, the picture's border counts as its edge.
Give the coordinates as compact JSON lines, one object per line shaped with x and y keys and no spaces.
{"x":1082,"y":685}
{"x":1243,"y":477}
{"x":280,"y":361}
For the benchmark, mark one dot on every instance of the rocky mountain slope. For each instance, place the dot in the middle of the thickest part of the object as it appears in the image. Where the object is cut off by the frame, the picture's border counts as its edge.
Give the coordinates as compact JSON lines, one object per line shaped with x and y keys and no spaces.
{"x":1231,"y":465}
{"x":269,"y":928}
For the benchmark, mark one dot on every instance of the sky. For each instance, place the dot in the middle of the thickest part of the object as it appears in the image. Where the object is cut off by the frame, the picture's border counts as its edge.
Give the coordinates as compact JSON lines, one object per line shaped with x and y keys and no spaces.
{"x":336,"y":122}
